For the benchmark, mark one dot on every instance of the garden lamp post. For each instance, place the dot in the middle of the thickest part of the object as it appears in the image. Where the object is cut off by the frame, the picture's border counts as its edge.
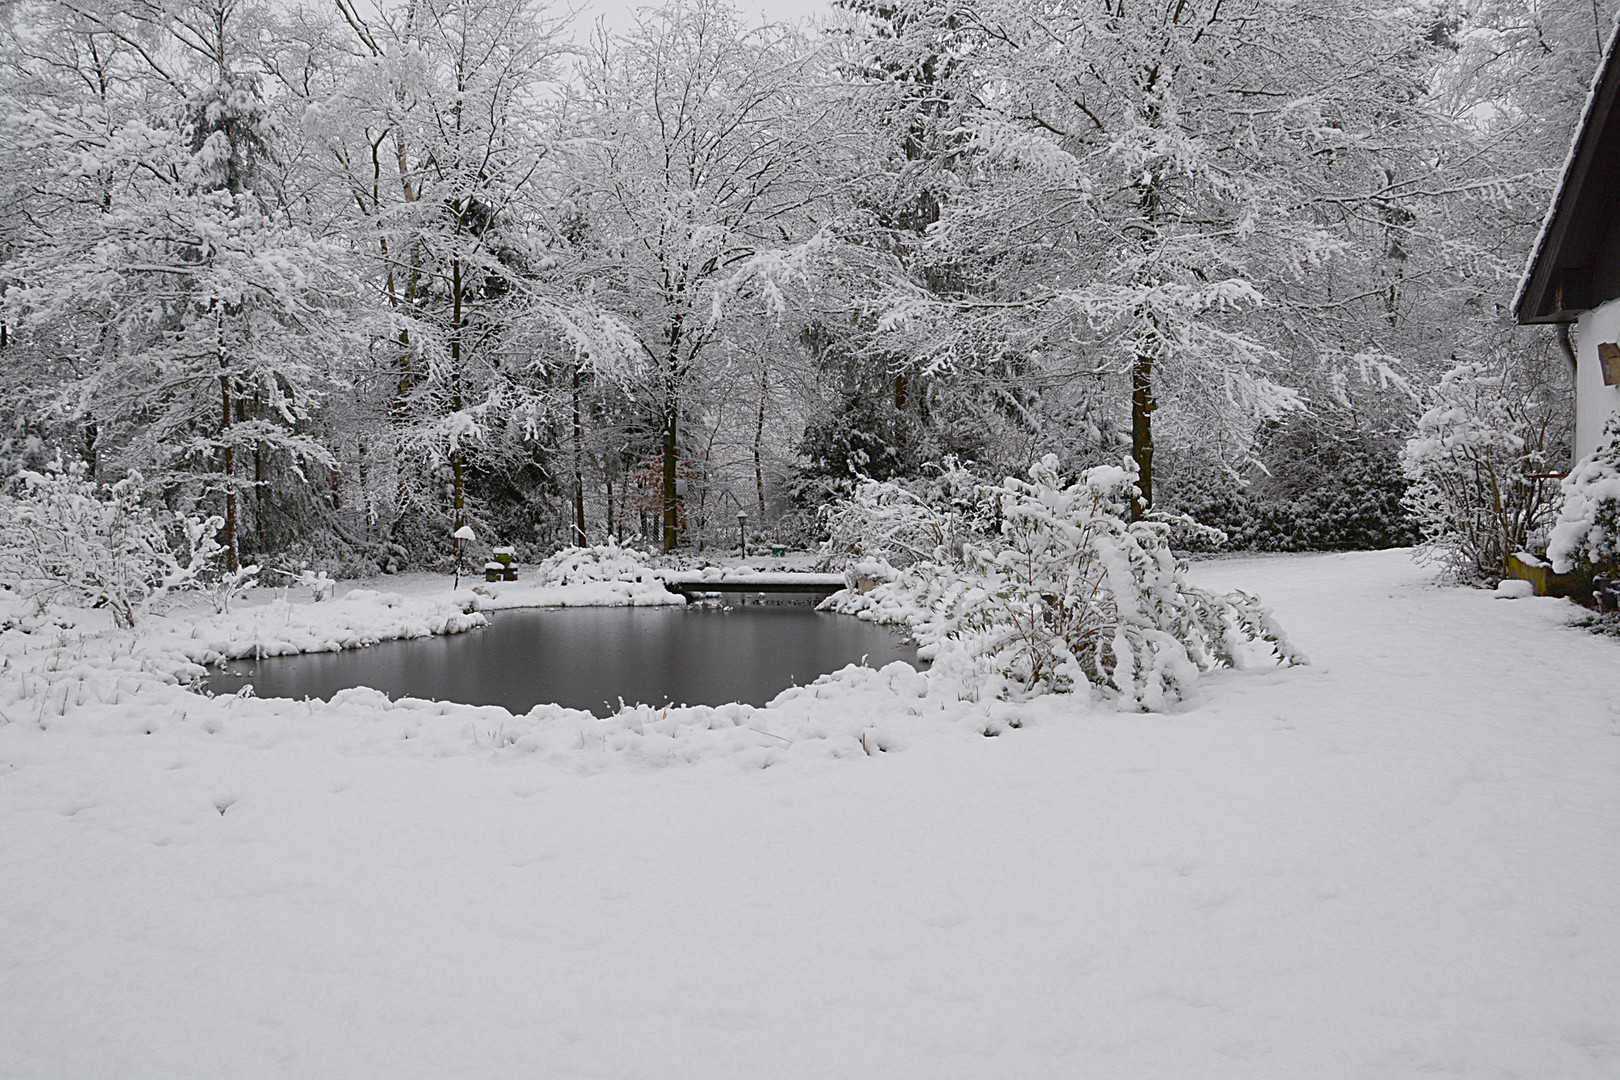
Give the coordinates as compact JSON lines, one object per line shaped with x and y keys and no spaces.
{"x":742,"y":531}
{"x":461,"y":535}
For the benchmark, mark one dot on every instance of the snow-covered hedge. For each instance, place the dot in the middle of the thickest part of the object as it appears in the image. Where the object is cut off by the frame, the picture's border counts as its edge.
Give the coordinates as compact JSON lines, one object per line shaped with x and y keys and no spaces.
{"x":1588,"y":528}
{"x":1067,"y":595}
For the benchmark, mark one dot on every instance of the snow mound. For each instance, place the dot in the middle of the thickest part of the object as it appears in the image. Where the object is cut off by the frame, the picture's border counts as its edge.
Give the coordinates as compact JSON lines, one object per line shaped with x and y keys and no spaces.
{"x":584,"y":565}
{"x":852,"y":713}
{"x":281,"y":628}
{"x":85,"y":666}
{"x":602,"y":576}
{"x":849,"y":713}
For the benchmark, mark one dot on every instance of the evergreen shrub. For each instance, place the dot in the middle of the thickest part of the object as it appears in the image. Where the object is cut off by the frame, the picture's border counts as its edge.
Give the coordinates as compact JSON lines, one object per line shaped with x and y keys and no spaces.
{"x":1588,"y":527}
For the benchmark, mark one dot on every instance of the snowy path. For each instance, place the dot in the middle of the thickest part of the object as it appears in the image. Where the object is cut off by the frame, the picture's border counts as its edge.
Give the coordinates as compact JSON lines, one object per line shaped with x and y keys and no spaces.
{"x":1403,"y":861}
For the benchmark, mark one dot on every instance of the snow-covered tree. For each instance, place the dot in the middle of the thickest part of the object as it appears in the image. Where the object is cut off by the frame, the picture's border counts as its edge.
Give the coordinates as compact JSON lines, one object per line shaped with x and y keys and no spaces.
{"x":1481,"y":464}
{"x":705,"y":150}
{"x":370,"y":268}
{"x":442,"y":135}
{"x":884,"y":408}
{"x":1219,"y":212}
{"x":1164,"y":174}
{"x":429,"y":131}
{"x":190,"y":317}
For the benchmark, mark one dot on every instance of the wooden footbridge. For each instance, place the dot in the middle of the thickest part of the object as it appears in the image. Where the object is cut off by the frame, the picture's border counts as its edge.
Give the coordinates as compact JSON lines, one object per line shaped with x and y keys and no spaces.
{"x":692,"y":584}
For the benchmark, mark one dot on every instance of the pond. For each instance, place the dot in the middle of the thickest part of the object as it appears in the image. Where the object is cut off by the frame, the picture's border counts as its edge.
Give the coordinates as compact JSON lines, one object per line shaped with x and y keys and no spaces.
{"x":591,"y":658}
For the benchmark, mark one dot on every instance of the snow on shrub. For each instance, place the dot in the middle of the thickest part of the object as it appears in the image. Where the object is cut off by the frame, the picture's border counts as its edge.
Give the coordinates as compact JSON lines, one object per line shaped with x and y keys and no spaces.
{"x":605,"y":575}
{"x":903,"y":522}
{"x":1479,"y":467}
{"x":63,"y":538}
{"x":1066,"y":595}
{"x":359,"y":619}
{"x":584,"y":565}
{"x":1588,"y":528}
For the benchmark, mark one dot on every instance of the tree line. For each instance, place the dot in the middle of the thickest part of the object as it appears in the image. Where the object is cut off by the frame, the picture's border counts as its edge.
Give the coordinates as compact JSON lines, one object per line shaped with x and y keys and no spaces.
{"x":354,"y":275}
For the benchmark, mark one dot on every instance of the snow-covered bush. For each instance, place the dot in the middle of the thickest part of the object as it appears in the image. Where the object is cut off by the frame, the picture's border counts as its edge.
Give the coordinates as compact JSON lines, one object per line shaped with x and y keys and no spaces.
{"x":906,"y":521}
{"x":1588,"y":528}
{"x":1479,"y":468}
{"x":582,"y":565}
{"x":65,"y":538}
{"x":1068,"y":594}
{"x":227,"y":585}
{"x":320,"y":584}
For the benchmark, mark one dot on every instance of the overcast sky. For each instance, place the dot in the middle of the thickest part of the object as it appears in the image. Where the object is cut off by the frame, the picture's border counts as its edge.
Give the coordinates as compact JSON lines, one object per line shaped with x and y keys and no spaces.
{"x":617,"y":12}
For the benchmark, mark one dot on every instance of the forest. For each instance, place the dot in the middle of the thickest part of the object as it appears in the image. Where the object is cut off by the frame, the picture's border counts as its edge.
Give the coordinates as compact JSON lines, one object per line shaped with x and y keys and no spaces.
{"x":349,"y":278}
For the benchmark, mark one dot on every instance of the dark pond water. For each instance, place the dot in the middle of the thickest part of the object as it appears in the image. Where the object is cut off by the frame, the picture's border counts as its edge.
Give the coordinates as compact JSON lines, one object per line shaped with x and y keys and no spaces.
{"x":590,"y":658}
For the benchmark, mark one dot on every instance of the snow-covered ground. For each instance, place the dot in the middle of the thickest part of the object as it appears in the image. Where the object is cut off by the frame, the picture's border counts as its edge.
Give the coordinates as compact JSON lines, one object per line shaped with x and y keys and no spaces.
{"x":1400,"y":861}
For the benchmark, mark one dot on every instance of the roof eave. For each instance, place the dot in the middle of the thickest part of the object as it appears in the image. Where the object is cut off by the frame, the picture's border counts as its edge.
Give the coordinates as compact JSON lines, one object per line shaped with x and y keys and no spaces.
{"x":1532,"y":303}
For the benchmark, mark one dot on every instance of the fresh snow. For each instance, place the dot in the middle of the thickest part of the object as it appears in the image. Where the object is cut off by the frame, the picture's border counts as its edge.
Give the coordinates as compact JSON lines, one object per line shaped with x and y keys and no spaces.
{"x":1514,"y":589}
{"x":757,"y":578}
{"x":1399,"y":861}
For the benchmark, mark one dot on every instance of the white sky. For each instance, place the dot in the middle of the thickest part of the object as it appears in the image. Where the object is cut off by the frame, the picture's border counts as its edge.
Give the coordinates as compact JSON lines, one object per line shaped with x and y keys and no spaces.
{"x":617,"y":12}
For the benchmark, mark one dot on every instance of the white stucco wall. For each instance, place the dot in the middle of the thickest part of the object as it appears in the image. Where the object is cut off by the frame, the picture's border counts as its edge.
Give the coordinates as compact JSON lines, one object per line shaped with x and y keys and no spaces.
{"x":1594,"y":402}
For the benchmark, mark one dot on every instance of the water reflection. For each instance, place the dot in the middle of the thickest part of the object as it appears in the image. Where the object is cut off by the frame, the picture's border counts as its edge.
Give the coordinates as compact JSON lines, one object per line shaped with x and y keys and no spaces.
{"x":591,"y":658}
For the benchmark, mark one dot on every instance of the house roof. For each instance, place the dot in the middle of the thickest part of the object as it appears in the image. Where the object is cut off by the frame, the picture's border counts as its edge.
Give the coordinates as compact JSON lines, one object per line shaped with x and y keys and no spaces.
{"x":1575,"y":264}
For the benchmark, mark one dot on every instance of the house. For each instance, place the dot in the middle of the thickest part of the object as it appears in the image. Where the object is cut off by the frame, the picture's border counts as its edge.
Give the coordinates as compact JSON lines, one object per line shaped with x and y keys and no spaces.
{"x":1574,"y":271}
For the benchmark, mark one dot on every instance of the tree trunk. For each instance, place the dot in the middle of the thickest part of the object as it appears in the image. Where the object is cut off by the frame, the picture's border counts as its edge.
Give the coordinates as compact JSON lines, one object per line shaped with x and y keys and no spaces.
{"x":579,"y":471}
{"x":673,"y":371}
{"x":458,"y":494}
{"x":363,"y":469}
{"x":261,"y":510}
{"x":458,"y":465}
{"x":672,"y":517}
{"x":1142,"y":407}
{"x":398,"y":415}
{"x":759,"y":437}
{"x":399,"y":407}
{"x":229,"y":461}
